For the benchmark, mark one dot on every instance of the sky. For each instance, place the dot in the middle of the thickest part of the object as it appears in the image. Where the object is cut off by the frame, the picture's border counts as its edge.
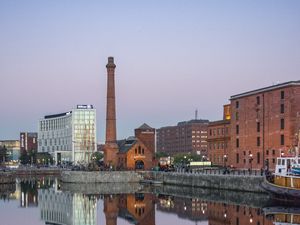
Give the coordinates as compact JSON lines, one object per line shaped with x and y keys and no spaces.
{"x":172,"y":57}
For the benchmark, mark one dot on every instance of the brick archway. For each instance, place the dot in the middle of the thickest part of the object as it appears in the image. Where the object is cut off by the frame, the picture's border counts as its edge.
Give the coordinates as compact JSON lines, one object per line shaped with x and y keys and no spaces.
{"x":139,"y":165}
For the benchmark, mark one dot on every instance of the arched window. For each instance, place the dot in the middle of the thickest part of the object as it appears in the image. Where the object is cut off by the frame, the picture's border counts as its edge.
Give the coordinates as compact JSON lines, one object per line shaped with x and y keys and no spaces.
{"x":139,"y":149}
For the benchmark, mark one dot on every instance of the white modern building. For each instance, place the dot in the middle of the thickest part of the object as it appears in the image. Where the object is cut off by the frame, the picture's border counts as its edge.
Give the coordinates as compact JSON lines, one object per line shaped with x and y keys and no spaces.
{"x":69,"y":136}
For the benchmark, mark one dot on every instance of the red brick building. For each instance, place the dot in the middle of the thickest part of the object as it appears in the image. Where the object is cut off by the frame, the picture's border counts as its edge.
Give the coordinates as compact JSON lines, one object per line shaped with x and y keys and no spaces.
{"x":28,"y":141}
{"x":219,"y":139}
{"x":186,"y":137}
{"x":263,"y":125}
{"x":137,"y":152}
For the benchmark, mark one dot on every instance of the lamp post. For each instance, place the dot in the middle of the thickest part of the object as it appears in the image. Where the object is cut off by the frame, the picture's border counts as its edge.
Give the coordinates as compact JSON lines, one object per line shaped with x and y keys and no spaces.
{"x":225,"y":160}
{"x":251,"y":159}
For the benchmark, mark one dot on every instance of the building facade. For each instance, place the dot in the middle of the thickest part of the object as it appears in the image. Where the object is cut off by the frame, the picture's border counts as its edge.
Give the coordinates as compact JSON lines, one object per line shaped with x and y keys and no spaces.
{"x":186,"y":137}
{"x":138,"y":152}
{"x":28,"y":142}
{"x":12,"y":149}
{"x":70,"y":136}
{"x":264,"y":123}
{"x":219,"y":142}
{"x":219,"y":139}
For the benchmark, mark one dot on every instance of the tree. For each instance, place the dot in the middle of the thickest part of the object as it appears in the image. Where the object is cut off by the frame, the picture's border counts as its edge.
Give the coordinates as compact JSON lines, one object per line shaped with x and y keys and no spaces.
{"x":24,"y":158}
{"x":3,"y":154}
{"x":161,"y":154}
{"x":97,"y":156}
{"x":186,"y":158}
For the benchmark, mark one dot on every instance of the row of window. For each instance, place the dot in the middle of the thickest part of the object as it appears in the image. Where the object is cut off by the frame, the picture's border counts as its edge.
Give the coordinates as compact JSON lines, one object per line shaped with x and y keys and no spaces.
{"x":219,"y":131}
{"x":258,"y":141}
{"x":237,"y":128}
{"x":250,"y":160}
{"x":139,"y":151}
{"x":219,"y":145}
{"x":282,"y":96}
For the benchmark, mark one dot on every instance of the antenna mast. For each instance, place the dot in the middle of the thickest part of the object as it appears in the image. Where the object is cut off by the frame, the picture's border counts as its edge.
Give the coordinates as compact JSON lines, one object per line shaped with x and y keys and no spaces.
{"x":196,"y":114}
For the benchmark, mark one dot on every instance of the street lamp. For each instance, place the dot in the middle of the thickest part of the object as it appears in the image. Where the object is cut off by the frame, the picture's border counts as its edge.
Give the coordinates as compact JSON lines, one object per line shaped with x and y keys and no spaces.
{"x":251,"y":159}
{"x":225,"y":160}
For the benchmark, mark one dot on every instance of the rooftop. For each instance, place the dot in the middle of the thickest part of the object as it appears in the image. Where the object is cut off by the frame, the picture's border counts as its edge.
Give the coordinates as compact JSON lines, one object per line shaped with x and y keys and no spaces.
{"x":57,"y":115}
{"x":126,"y":144}
{"x":145,"y":127}
{"x":265,"y":89}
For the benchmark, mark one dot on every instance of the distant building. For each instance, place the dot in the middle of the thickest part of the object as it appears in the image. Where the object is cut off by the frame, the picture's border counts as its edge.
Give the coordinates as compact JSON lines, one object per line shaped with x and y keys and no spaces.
{"x":186,"y":137}
{"x":70,"y":136}
{"x":28,"y":142}
{"x":263,"y":125}
{"x":13,"y":149}
{"x":137,"y":152}
{"x":219,"y":139}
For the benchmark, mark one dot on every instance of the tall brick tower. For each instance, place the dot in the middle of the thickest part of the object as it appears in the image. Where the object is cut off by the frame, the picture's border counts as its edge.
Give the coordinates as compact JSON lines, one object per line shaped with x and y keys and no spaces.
{"x":111,"y":147}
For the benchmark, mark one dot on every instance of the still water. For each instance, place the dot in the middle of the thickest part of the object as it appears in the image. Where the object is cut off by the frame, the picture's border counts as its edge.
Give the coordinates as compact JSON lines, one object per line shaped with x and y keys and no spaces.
{"x":45,"y":201}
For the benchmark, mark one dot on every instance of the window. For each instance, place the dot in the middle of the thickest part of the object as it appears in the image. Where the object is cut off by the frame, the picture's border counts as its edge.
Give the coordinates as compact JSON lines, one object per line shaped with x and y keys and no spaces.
{"x":143,"y":151}
{"x":237,"y":129}
{"x":282,"y":139}
{"x":237,"y":104}
{"x":135,"y":151}
{"x":273,"y":152}
{"x":258,"y":141}
{"x":258,"y":126}
{"x":237,"y":143}
{"x":282,"y":94}
{"x":210,"y":132}
{"x":237,"y":115}
{"x":258,"y":100}
{"x":237,"y":158}
{"x":258,"y":158}
{"x":267,"y":152}
{"x":139,"y":149}
{"x":282,"y":108}
{"x":281,"y":124}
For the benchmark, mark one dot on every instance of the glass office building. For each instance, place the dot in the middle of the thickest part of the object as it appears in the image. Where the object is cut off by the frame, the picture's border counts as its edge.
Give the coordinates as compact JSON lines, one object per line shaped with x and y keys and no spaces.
{"x":70,"y":136}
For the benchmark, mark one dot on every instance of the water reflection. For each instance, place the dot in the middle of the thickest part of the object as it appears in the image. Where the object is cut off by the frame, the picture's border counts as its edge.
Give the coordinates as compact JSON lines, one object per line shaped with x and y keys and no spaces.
{"x":57,"y":206}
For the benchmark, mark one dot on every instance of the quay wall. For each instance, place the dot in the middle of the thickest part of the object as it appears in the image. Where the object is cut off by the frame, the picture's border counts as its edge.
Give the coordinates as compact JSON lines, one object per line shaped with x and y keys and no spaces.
{"x":216,"y":181}
{"x":37,"y":172}
{"x":248,"y":183}
{"x":101,"y":177}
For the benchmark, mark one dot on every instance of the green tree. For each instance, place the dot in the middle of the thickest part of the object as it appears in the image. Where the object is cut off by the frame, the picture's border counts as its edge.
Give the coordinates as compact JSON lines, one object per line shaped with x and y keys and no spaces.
{"x":3,"y":154}
{"x":186,"y":158}
{"x":97,"y":156}
{"x":24,"y":158}
{"x":161,"y":154}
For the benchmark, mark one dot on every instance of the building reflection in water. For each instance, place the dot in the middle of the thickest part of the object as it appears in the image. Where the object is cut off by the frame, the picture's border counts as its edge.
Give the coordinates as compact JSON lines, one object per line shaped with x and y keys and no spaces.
{"x":136,"y":208}
{"x":216,"y":213}
{"x":58,"y":207}
{"x":192,"y":209}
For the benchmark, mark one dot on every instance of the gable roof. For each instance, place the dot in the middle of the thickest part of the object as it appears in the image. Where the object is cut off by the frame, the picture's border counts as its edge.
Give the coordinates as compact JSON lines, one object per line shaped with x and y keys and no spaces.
{"x":145,"y":127}
{"x":126,"y":144}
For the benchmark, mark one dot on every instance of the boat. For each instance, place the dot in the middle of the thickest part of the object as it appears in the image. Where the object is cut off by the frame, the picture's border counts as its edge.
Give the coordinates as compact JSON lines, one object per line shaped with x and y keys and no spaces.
{"x":285,"y":181}
{"x":283,"y":215}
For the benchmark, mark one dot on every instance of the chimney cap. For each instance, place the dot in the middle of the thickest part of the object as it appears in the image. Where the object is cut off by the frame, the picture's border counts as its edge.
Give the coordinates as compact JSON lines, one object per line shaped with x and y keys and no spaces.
{"x":110,"y":63}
